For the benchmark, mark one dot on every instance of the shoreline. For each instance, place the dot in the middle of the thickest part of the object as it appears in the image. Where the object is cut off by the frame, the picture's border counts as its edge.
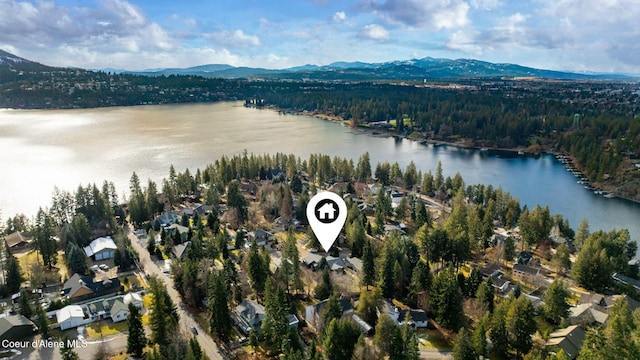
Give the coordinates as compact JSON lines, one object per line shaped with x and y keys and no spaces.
{"x":520,"y":152}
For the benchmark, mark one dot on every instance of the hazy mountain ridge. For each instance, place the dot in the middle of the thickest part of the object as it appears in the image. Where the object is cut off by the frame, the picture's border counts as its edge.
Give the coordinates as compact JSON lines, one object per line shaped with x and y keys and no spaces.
{"x":415,"y":69}
{"x":427,"y":68}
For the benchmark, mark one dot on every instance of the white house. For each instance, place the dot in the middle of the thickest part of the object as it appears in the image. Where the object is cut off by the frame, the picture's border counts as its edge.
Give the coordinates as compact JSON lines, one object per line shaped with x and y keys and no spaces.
{"x":134,"y":298}
{"x":119,"y":311}
{"x":101,"y":248}
{"x":70,"y":316}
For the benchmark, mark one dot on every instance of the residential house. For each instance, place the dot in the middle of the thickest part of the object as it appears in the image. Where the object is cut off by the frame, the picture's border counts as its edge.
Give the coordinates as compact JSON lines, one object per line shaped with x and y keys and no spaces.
{"x":417,"y":318}
{"x":490,"y":270}
{"x":182,"y":230}
{"x":335,"y":263}
{"x":526,"y":273}
{"x":389,"y":228}
{"x":102,"y":248}
{"x":71,"y":316}
{"x":18,"y":240}
{"x":500,"y":283}
{"x":354,"y":264}
{"x":367,"y":329}
{"x":313,"y":313}
{"x":118,"y":311}
{"x":167,"y":218}
{"x":587,"y":314}
{"x":248,"y":315}
{"x":81,"y":287}
{"x":180,"y":250}
{"x":525,"y":257}
{"x":569,"y":339}
{"x":312,"y":261}
{"x":16,"y":327}
{"x":625,"y":280}
{"x":260,"y":237}
{"x":605,"y":302}
{"x":293,"y":321}
{"x":134,"y":298}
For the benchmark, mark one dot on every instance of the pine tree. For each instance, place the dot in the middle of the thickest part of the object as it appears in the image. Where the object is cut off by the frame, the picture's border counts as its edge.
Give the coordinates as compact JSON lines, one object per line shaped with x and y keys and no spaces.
{"x":24,"y":303}
{"x":463,"y":348}
{"x":66,"y":352}
{"x":555,"y":306}
{"x":136,"y":340}
{"x":368,"y":265}
{"x":340,"y":339}
{"x":521,"y":325}
{"x":446,"y":300}
{"x":218,"y":306}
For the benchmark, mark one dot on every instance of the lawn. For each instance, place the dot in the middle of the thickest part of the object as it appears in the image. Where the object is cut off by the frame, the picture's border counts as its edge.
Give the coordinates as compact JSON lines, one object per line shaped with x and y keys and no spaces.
{"x":433,"y":339}
{"x":106,"y":328}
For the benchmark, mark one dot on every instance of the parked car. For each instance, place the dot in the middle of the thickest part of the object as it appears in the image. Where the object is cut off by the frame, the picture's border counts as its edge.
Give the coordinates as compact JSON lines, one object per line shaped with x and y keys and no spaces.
{"x":194,"y":331}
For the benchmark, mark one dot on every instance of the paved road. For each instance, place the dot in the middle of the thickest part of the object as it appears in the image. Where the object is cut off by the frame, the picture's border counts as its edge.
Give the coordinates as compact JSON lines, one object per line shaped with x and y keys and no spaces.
{"x":186,"y":320}
{"x":434,"y":354}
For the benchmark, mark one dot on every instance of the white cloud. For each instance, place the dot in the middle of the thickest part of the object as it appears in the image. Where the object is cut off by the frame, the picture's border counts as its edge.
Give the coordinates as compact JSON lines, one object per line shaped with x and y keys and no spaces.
{"x":236,"y":38}
{"x":432,"y":14}
{"x":465,"y":42}
{"x":485,"y":4}
{"x":339,"y":16}
{"x":374,"y":32}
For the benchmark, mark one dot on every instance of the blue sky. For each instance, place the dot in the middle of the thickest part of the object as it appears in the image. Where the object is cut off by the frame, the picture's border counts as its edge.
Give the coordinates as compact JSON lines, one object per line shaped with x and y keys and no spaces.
{"x":582,"y":35}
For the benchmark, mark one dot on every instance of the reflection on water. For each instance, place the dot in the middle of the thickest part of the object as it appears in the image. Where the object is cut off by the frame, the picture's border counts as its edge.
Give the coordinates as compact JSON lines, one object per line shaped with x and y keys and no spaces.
{"x":66,"y":148}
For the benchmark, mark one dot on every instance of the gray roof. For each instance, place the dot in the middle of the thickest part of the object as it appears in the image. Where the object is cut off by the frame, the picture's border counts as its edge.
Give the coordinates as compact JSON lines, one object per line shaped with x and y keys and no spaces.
{"x":526,"y":269}
{"x":117,"y":307}
{"x":569,"y":339}
{"x":9,"y":326}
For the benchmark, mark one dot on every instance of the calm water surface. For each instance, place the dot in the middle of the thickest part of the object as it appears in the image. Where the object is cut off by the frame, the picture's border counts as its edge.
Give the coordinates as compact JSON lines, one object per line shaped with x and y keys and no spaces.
{"x":65,"y":148}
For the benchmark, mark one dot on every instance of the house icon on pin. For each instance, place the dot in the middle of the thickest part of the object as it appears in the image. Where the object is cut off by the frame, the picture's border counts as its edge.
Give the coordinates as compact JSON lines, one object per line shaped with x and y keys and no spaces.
{"x":327,"y":212}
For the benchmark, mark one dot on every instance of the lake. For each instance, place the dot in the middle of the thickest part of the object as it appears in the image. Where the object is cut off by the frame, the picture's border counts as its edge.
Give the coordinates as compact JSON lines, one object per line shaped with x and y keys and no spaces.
{"x":65,"y":148}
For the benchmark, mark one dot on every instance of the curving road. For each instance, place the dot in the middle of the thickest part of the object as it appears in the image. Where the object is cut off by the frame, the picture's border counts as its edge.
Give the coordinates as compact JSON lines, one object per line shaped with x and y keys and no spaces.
{"x":186,"y":320}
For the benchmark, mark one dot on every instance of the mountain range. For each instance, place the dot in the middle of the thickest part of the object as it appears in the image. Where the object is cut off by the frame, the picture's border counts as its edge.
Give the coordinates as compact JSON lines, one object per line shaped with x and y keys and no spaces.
{"x":415,"y":69}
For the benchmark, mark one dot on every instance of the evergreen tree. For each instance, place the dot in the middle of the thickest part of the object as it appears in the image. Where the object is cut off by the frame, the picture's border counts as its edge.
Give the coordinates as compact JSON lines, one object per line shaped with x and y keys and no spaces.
{"x":498,"y":333}
{"x":332,"y":310}
{"x":384,"y":333}
{"x":485,"y":294}
{"x":479,"y":336}
{"x":582,"y":234}
{"x":163,"y":319}
{"x":521,"y":325}
{"x":368,"y":265}
{"x":555,"y":306}
{"x":275,"y":322}
{"x":446,"y":300}
{"x":463,"y":348}
{"x":24,"y":303}
{"x":136,"y":340}
{"x":388,"y":273}
{"x":340,"y":339}
{"x":41,"y":322}
{"x":218,"y":306}
{"x":324,"y":289}
{"x":13,"y":275}
{"x":258,"y":270}
{"x":66,"y":352}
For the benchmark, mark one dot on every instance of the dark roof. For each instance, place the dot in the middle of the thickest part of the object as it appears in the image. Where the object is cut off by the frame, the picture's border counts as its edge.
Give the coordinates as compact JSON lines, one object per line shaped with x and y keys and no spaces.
{"x":77,"y":282}
{"x":526,"y":269}
{"x":344,"y":303}
{"x":180,"y":250}
{"x":570,"y":339}
{"x":18,"y":239}
{"x":627,"y":280}
{"x":15,"y":327}
{"x":490,"y":269}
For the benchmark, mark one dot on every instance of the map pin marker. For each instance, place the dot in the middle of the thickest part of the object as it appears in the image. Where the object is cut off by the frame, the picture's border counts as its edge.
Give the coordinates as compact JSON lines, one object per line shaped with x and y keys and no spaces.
{"x":326,"y":213}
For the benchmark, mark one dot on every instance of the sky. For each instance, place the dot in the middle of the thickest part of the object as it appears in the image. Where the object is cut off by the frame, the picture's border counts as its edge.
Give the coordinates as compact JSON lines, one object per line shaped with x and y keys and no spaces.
{"x":576,"y":35}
